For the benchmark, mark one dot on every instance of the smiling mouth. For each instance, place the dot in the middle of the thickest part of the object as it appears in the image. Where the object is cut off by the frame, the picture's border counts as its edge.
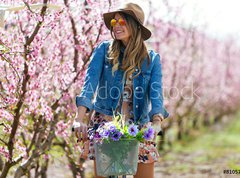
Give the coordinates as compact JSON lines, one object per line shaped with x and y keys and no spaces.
{"x":118,"y":31}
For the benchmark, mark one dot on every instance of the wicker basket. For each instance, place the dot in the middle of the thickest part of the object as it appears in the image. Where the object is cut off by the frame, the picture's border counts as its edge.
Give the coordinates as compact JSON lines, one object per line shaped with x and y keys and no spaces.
{"x":116,"y":157}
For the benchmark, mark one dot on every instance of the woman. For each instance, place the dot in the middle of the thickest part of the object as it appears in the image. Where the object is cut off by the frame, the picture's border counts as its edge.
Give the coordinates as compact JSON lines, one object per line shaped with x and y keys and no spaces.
{"x":127,"y":78}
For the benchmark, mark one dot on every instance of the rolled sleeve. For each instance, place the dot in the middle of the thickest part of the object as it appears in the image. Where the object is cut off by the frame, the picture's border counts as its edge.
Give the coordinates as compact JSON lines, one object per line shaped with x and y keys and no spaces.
{"x":92,"y":77}
{"x":84,"y":101}
{"x":153,"y":112}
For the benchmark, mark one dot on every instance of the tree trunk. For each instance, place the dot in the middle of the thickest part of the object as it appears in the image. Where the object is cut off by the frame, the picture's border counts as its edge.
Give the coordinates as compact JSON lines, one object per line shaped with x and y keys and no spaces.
{"x":179,"y":132}
{"x":1,"y":163}
{"x":161,"y":141}
{"x":44,"y":168}
{"x":6,"y":168}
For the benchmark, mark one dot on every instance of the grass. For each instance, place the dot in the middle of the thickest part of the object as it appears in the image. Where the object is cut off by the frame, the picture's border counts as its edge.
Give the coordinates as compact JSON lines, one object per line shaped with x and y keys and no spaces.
{"x":234,"y":164}
{"x":209,"y":146}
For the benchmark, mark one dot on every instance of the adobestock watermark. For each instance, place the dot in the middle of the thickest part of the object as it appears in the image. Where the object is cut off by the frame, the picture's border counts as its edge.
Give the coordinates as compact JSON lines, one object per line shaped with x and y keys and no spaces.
{"x":155,"y":91}
{"x":187,"y":92}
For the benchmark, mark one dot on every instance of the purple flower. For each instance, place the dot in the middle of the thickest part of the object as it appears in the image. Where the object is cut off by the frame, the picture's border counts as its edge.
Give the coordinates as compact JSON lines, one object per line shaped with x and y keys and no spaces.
{"x":112,"y":128}
{"x":133,"y":130}
{"x":151,"y":131}
{"x":105,"y":133}
{"x":116,"y":136}
{"x":97,"y":135}
{"x":148,"y":134}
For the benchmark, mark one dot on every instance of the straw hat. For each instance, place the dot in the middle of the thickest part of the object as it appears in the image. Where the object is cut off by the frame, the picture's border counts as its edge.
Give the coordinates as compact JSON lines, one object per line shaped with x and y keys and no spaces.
{"x":133,"y":10}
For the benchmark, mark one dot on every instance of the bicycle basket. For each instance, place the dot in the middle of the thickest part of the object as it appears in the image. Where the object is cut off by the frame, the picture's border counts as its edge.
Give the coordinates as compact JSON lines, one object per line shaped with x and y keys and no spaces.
{"x":116,"y":157}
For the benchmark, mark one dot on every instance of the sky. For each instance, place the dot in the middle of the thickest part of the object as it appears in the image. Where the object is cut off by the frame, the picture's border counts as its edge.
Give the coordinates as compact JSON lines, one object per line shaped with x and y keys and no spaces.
{"x":218,"y":18}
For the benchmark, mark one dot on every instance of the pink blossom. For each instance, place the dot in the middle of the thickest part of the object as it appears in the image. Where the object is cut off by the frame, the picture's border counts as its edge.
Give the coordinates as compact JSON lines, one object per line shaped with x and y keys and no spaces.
{"x":4,"y":152}
{"x":4,"y":114}
{"x":62,"y":129}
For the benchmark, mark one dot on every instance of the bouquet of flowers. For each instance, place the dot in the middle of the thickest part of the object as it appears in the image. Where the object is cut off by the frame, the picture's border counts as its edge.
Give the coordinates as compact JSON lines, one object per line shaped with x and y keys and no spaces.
{"x":116,"y":146}
{"x":117,"y":130}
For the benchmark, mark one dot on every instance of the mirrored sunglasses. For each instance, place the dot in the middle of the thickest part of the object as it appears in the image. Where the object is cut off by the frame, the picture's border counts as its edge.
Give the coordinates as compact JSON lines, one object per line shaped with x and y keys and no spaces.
{"x":120,"y":21}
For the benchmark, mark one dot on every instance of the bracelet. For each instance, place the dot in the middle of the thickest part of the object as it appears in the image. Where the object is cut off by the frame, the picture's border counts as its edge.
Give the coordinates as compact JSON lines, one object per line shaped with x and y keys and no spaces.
{"x":159,"y":118}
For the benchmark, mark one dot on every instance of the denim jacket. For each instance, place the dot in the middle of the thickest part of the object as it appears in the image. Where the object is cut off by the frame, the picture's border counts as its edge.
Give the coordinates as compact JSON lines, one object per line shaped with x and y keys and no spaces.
{"x":147,"y":87}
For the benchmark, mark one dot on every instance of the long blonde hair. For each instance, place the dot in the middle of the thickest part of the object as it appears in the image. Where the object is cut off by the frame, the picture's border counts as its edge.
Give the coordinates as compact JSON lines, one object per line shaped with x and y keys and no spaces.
{"x":135,"y":51}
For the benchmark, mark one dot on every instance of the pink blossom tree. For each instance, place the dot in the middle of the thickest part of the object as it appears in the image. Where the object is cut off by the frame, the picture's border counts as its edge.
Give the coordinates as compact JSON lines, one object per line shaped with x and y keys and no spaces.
{"x":44,"y":54}
{"x":199,"y":73}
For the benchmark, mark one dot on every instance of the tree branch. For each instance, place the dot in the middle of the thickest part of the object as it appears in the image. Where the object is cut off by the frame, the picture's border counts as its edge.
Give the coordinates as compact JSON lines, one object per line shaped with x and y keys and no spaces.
{"x":17,"y":114}
{"x":3,"y":141}
{"x":39,"y":24}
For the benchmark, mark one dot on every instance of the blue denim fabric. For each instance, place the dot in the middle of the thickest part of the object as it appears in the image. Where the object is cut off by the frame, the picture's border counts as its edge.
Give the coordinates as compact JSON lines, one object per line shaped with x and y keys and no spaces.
{"x":99,"y":81}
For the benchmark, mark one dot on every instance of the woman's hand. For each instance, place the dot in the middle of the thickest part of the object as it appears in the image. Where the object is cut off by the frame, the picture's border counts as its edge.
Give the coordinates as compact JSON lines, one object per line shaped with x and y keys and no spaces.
{"x":156,"y":124}
{"x":80,"y":130}
{"x":80,"y":126}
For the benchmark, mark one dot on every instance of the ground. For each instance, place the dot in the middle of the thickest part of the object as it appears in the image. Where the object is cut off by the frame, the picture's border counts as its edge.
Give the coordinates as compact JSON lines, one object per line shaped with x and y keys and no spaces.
{"x":205,"y":156}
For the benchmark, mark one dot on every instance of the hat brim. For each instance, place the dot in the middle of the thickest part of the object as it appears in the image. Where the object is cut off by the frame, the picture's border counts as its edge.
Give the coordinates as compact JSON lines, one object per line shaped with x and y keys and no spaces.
{"x":107,"y":17}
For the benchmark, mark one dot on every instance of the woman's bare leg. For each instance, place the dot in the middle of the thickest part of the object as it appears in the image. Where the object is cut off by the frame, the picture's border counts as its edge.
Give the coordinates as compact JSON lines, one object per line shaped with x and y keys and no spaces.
{"x":95,"y":171}
{"x":145,"y":170}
